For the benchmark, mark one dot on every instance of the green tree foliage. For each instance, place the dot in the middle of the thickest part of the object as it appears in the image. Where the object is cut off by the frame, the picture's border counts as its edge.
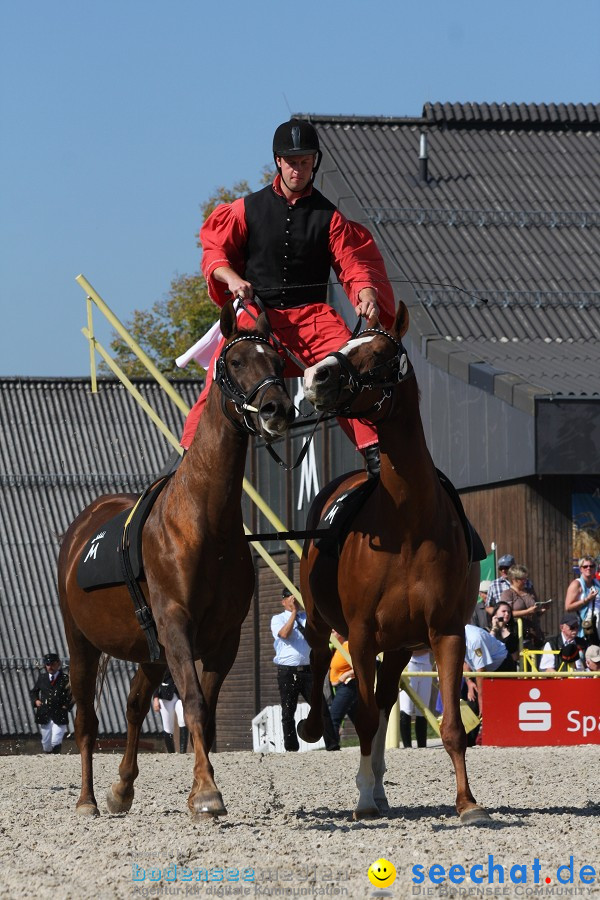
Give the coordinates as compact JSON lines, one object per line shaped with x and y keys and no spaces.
{"x":177,"y":321}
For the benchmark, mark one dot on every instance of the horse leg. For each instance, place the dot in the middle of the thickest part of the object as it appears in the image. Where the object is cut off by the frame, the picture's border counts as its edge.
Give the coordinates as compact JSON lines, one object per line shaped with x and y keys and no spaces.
{"x":317,"y":634}
{"x":367,"y":723}
{"x":83,"y":671}
{"x":120,"y":794}
{"x":386,"y":695}
{"x":449,"y":652}
{"x":199,"y":709}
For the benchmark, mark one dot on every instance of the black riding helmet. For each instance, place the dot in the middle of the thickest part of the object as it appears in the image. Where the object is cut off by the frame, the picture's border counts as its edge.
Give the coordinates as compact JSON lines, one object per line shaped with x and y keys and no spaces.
{"x":296,"y":138}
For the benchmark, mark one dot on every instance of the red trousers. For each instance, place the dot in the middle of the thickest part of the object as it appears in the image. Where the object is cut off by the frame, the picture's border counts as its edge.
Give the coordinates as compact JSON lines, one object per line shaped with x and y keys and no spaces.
{"x":310,"y":333}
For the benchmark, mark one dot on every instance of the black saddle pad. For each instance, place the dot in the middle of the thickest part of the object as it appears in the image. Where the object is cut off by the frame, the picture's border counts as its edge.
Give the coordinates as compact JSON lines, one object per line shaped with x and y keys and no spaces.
{"x":101,"y":562}
{"x":338,"y":518}
{"x":477,"y":551}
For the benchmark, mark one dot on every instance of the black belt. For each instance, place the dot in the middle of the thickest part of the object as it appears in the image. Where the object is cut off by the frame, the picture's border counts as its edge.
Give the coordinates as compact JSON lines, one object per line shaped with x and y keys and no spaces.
{"x":294,"y":668}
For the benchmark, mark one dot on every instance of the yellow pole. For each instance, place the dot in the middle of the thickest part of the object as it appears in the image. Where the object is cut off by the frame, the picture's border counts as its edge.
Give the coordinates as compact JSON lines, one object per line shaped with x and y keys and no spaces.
{"x":92,"y":341}
{"x":134,"y":392}
{"x":120,"y":329}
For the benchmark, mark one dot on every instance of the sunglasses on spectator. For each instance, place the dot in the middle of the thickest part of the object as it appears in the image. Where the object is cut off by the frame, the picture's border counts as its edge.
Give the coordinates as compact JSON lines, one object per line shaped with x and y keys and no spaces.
{"x":589,"y":567}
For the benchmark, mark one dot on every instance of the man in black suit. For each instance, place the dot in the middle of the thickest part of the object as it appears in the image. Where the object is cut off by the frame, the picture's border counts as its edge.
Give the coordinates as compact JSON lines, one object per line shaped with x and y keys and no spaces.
{"x":52,"y":700}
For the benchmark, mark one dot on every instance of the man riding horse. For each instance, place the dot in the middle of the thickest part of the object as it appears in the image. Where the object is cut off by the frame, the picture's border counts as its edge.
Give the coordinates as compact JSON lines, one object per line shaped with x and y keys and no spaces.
{"x":275,"y":248}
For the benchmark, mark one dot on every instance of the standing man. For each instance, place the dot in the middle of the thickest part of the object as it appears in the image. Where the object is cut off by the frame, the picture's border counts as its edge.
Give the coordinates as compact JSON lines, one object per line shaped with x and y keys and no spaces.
{"x":499,"y":584}
{"x":52,"y":700}
{"x":274,"y":249}
{"x":292,"y":658}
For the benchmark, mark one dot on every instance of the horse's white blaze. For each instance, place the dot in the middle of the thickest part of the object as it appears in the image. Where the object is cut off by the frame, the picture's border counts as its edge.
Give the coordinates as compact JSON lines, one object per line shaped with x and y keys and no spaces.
{"x":309,"y":374}
{"x":260,"y":349}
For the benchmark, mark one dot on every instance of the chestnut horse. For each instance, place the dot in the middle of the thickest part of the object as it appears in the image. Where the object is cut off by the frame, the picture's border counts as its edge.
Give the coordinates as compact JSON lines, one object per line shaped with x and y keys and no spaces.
{"x":403,"y":579}
{"x":199,"y":577}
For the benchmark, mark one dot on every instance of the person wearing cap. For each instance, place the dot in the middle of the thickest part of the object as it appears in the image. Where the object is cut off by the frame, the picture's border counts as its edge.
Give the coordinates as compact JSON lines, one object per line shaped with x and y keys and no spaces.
{"x":565,"y":650}
{"x":501,"y":583}
{"x":481,"y":618}
{"x":52,"y":700}
{"x":582,"y":598}
{"x":274,"y":249}
{"x":294,"y":678}
{"x":592,"y":658}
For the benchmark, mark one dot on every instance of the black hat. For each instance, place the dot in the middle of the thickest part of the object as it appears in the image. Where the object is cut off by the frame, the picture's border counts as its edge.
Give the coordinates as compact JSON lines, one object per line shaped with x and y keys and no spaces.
{"x":295,"y":138}
{"x":51,"y":658}
{"x":286,"y":593}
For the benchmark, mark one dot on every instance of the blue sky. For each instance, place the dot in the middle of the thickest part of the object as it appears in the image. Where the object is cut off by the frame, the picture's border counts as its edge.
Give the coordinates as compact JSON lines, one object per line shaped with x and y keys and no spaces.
{"x":118,"y":119}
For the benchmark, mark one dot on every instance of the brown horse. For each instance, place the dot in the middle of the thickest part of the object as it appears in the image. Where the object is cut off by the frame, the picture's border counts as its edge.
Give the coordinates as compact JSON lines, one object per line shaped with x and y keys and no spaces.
{"x":199,"y":576}
{"x":403,"y":579}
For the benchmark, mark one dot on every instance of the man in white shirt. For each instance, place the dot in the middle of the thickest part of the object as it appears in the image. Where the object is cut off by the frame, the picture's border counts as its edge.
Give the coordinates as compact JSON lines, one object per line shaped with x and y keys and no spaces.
{"x":570,"y":648}
{"x":292,"y":658}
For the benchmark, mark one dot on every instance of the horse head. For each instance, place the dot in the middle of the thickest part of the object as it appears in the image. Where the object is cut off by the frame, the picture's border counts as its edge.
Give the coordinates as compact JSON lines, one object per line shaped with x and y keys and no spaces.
{"x":367,"y":367}
{"x":249,"y":373}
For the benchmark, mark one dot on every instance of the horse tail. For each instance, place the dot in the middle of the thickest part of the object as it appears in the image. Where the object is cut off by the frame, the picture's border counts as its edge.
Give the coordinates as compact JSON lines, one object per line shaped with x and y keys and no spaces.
{"x":105,"y":659}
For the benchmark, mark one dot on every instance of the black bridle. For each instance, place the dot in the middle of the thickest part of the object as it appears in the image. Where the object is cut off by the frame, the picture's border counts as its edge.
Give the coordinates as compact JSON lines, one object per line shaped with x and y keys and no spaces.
{"x":385,"y":376}
{"x":231,"y":390}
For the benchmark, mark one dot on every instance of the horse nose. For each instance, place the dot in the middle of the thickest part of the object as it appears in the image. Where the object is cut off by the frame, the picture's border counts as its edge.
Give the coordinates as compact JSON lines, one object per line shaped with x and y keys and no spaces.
{"x":277,"y":410}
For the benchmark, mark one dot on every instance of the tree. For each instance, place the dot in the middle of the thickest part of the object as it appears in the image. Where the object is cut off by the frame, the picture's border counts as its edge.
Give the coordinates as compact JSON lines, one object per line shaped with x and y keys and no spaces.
{"x":174,"y":323}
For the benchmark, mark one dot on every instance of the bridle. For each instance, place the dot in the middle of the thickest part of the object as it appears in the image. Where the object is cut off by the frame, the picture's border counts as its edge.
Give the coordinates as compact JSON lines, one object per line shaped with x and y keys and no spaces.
{"x":385,"y":376}
{"x":244,"y":402}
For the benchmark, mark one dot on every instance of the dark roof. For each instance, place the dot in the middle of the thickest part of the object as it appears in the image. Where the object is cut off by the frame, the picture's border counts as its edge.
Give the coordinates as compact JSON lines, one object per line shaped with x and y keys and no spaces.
{"x":60,"y":447}
{"x":498,"y":246}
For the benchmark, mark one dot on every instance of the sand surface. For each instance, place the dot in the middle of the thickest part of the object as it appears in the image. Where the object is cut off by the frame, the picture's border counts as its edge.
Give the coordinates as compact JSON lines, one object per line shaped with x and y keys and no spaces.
{"x":289,"y":826}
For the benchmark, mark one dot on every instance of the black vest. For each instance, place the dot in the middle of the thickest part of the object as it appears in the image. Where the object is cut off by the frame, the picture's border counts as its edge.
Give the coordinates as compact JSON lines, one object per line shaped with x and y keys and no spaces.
{"x":288,"y":247}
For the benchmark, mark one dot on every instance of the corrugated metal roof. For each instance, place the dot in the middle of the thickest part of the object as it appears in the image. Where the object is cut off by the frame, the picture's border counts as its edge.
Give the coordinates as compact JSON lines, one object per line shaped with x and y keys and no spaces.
{"x":500,"y":243}
{"x":60,"y":447}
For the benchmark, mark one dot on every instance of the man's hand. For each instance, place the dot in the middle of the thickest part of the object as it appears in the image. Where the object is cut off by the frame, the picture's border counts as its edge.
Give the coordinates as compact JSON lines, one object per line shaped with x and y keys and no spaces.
{"x":237,"y":285}
{"x":367,"y":304}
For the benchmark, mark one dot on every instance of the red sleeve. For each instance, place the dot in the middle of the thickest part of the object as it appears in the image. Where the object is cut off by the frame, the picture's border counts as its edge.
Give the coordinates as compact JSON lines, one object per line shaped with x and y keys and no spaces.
{"x":223,"y":237}
{"x":358,"y":264}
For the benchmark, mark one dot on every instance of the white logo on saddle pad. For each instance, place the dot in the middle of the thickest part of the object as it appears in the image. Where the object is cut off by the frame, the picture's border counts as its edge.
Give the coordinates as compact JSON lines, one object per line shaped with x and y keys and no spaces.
{"x":330,"y":516}
{"x":91,"y":554}
{"x":535,"y":716}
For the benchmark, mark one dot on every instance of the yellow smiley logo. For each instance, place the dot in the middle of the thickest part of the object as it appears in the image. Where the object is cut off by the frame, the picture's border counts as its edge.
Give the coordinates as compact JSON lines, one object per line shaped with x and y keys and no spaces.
{"x":381,"y":873}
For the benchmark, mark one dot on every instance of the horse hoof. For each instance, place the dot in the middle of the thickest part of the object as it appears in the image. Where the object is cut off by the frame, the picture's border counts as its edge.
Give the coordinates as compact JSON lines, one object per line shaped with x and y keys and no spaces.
{"x":207,"y":806}
{"x":87,"y":809}
{"x":382,"y":805}
{"x":475,"y":815}
{"x":117,"y":805}
{"x":305,"y":735}
{"x":370,"y":813}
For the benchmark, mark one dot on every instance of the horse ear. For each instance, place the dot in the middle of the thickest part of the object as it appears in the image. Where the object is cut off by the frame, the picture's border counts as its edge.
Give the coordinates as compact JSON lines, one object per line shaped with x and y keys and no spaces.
{"x":400,"y":326}
{"x":228,"y":320}
{"x":263,"y":326}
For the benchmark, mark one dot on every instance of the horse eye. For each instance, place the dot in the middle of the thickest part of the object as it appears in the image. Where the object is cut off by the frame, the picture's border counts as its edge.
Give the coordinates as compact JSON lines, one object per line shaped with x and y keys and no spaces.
{"x":235,"y":363}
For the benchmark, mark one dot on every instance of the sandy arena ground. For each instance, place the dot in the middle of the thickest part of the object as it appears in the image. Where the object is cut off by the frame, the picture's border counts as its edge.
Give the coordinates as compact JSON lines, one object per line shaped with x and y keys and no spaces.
{"x":289,"y":822}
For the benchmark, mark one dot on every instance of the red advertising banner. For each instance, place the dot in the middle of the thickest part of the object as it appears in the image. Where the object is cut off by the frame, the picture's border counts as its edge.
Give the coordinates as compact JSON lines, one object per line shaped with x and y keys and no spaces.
{"x":541,"y":712}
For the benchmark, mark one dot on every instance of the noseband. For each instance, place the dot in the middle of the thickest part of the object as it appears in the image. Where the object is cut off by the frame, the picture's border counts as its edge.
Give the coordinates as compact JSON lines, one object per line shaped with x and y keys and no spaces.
{"x":386,"y":376}
{"x":231,"y":390}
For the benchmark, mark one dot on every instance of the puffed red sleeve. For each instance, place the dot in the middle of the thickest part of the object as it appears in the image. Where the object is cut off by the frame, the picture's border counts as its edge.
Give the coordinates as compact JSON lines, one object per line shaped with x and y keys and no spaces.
{"x":358,"y":263}
{"x":223,"y":237}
